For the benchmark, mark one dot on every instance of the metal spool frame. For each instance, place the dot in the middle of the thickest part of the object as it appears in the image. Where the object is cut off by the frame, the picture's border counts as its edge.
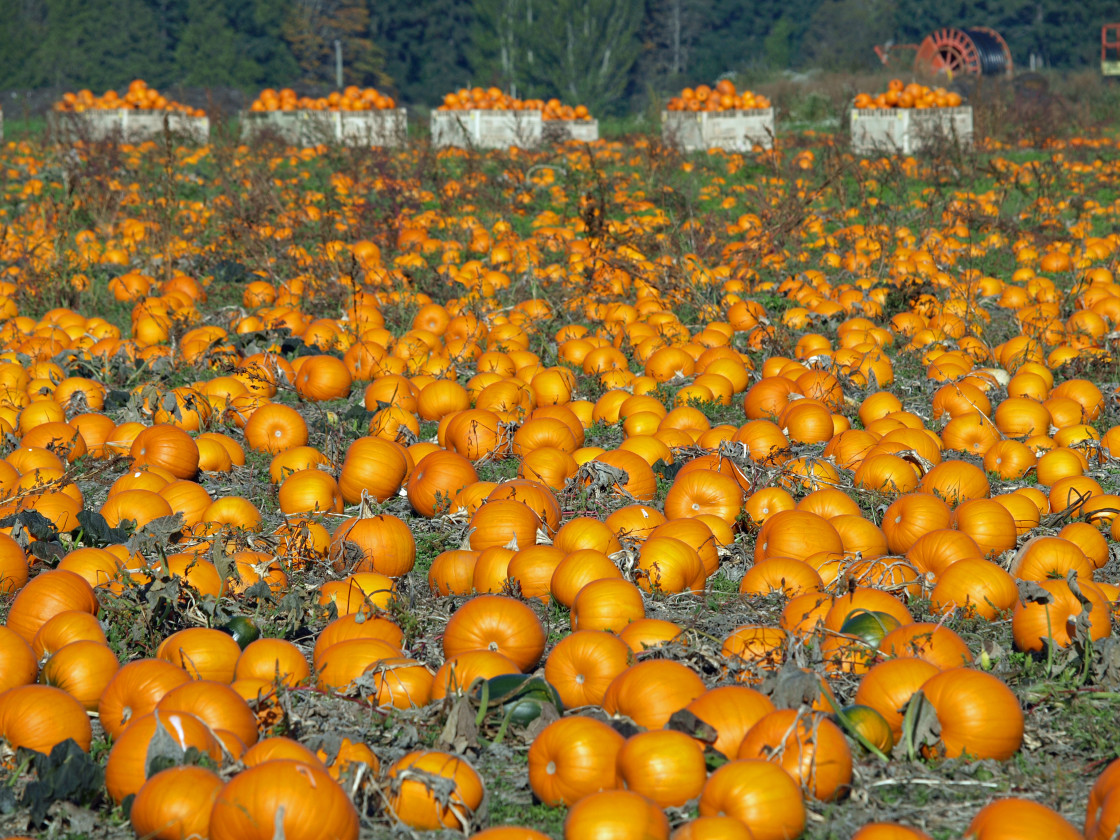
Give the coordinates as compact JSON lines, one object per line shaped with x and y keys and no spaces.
{"x":977,"y":51}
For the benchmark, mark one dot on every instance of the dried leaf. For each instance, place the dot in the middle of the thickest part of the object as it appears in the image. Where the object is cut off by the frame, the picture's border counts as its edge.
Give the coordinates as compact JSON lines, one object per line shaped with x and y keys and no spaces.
{"x":920,"y":726}
{"x":1031,"y":592}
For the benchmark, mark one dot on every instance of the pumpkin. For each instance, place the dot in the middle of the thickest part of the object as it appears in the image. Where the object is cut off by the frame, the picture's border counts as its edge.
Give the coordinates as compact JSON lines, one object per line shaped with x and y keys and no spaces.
{"x":935,"y":551}
{"x":912,"y":516}
{"x":310,"y":491}
{"x":650,"y":692}
{"x":704,"y":491}
{"x":39,"y":717}
{"x":1014,"y":817}
{"x":13,"y":565}
{"x":989,"y":523}
{"x":18,"y":663}
{"x":760,"y":795}
{"x":797,"y":534}
{"x":669,"y":566}
{"x":578,"y":569}
{"x":731,"y":710}
{"x":647,"y":633}
{"x":300,"y":801}
{"x":934,"y":643}
{"x":401,"y":682}
{"x":1102,"y":814}
{"x":583,"y":664}
{"x":640,"y":481}
{"x":280,"y":749}
{"x":495,"y":622}
{"x":1033,"y":624}
{"x":811,"y":748}
{"x":415,"y":802}
{"x":129,"y":759}
{"x":531,"y":570}
{"x":572,"y":758}
{"x":384,"y":544}
{"x":889,"y":831}
{"x":979,"y":715}
{"x":373,"y":466}
{"x":205,"y":654}
{"x":616,"y":815}
{"x":586,"y":532}
{"x":664,"y":765}
{"x":344,"y":661}
{"x":783,"y":575}
{"x":44,"y":597}
{"x":975,"y":586}
{"x":272,"y":660}
{"x":436,"y":479}
{"x":503,"y":522}
{"x":322,"y":378}
{"x":356,"y":626}
{"x":82,"y":669}
{"x":452,"y":572}
{"x":175,"y":803}
{"x":167,"y":446}
{"x":135,"y":690}
{"x":215,"y":704}
{"x":607,"y":604}
{"x":540,"y":499}
{"x":456,"y":675}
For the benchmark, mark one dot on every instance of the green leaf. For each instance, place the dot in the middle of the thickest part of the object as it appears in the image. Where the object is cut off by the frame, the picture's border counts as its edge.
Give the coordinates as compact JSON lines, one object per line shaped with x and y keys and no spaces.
{"x":67,"y":774}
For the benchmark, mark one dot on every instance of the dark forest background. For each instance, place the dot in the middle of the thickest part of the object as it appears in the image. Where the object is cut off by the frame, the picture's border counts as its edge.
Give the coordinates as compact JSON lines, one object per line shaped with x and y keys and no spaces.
{"x":608,"y":54}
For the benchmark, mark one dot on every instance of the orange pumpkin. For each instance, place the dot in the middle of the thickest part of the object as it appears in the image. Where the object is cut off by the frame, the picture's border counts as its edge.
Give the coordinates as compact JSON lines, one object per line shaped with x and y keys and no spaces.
{"x":413,"y":801}
{"x":979,"y":715}
{"x":572,"y":758}
{"x":760,"y":795}
{"x":495,"y":622}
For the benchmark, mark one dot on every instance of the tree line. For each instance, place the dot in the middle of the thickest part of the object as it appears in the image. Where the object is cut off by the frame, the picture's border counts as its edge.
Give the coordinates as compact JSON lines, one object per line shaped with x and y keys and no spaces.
{"x":607,"y":54}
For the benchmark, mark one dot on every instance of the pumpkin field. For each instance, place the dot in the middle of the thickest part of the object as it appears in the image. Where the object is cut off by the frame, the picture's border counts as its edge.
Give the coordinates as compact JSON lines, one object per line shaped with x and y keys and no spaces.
{"x":595,"y":491}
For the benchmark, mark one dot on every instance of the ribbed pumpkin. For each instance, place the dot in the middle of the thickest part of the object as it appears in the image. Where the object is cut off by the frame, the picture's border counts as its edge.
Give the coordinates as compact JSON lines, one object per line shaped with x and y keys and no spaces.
{"x":506,"y":523}
{"x":82,"y":669}
{"x":1014,"y":818}
{"x":812,"y":750}
{"x":759,"y":794}
{"x":44,"y":597}
{"x":583,"y":664}
{"x":572,"y":758}
{"x":128,"y":764}
{"x":283,"y":798}
{"x":436,"y":479}
{"x":979,"y":714}
{"x":175,"y":803}
{"x":385,"y":544}
{"x":38,"y":717}
{"x":167,"y":446}
{"x":494,"y":622}
{"x":797,"y":534}
{"x":412,"y":801}
{"x":616,"y":815}
{"x":18,"y":664}
{"x":664,"y":765}
{"x":650,"y":692}
{"x":204,"y":653}
{"x":375,"y":466}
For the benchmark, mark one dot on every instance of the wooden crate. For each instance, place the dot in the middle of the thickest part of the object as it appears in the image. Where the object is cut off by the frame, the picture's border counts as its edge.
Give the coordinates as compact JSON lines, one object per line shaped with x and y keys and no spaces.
{"x":126,"y":125}
{"x":731,"y":131}
{"x":487,"y":129}
{"x":909,"y":130}
{"x":348,"y":128}
{"x":561,"y":131}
